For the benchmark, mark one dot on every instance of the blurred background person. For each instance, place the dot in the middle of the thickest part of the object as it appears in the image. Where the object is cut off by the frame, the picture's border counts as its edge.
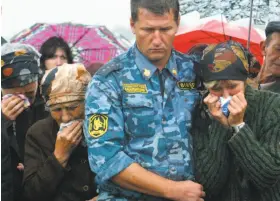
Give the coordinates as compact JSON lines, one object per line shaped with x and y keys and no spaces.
{"x":19,"y":82}
{"x":56,"y":158}
{"x":55,"y":52}
{"x":270,"y":75}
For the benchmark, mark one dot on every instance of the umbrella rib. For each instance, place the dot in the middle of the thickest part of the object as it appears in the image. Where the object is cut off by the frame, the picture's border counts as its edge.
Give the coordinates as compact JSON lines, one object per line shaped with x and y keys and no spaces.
{"x":96,"y":49}
{"x":81,"y":37}
{"x":54,"y":30}
{"x":223,"y":27}
{"x":84,"y":59}
{"x":209,"y":36}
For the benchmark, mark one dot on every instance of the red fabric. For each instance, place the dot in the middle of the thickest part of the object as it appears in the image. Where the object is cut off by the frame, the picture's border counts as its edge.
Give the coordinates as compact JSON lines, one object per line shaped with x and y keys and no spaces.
{"x":215,"y":32}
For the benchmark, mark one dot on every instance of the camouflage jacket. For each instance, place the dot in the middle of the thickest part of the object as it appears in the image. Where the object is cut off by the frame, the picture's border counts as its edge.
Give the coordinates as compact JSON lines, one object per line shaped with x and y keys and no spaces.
{"x":127,"y":120}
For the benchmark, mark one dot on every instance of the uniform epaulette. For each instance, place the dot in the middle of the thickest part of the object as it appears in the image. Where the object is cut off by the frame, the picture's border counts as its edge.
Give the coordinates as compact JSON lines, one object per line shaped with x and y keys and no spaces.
{"x":111,"y":66}
{"x":194,"y":58}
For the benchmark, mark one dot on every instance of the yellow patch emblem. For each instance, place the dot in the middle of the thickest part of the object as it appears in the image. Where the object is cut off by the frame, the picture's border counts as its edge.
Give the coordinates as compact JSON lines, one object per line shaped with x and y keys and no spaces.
{"x":135,"y":88}
{"x":186,"y":85}
{"x":98,"y":125}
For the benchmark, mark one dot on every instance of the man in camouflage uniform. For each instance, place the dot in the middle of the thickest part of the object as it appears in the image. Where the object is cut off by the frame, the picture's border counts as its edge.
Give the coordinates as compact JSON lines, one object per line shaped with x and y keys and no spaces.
{"x":138,"y":114}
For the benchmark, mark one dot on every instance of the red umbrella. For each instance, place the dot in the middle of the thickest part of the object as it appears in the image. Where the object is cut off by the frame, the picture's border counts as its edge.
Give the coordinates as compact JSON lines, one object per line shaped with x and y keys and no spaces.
{"x":216,"y":31}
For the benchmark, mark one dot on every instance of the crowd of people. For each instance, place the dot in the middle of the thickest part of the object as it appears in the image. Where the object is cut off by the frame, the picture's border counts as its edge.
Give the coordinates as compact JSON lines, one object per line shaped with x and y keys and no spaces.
{"x":152,"y":124}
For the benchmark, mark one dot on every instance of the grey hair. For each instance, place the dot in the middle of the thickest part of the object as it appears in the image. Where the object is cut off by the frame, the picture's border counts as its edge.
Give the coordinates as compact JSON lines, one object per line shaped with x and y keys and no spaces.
{"x":218,"y":83}
{"x":159,"y":7}
{"x":211,"y":84}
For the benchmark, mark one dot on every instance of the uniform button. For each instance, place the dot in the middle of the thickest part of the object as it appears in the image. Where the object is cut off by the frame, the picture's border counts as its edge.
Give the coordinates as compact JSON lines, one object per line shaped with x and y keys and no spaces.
{"x":85,"y":188}
{"x":186,"y":100}
{"x":149,"y":104}
{"x":172,"y":170}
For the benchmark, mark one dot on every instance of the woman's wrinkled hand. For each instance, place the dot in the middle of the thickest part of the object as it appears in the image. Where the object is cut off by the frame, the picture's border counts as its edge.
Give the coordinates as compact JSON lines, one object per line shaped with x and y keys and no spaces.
{"x":67,"y":140}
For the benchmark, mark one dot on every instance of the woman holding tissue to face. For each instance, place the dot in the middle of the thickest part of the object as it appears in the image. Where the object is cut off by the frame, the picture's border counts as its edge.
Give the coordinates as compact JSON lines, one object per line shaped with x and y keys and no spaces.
{"x":19,"y":110}
{"x":55,"y":155}
{"x":236,"y":132}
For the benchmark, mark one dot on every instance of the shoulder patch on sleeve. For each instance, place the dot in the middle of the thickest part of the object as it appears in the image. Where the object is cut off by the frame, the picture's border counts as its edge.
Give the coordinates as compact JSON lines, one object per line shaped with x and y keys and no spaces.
{"x":98,"y":125}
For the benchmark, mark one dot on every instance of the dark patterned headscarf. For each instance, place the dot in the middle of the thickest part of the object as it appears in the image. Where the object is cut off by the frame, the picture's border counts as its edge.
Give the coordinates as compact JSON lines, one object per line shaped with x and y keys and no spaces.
{"x":227,"y":61}
{"x":19,"y":65}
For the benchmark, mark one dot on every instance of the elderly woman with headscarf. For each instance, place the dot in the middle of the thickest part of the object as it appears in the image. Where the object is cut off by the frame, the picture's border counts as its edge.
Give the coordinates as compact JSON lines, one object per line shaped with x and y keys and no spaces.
{"x":236,"y":131}
{"x":56,"y":162}
{"x":20,"y":109}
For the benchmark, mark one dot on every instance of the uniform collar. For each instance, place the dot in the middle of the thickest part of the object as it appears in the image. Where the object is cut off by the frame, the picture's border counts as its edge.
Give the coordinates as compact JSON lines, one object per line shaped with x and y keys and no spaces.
{"x":147,"y":69}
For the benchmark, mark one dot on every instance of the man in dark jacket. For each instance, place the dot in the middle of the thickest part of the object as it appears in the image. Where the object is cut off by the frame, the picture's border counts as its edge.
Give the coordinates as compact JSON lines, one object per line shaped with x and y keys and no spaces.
{"x":20,"y":109}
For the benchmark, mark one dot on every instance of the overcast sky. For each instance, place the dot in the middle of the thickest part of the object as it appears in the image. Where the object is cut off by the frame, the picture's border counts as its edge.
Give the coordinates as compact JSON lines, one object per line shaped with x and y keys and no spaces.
{"x":20,"y":14}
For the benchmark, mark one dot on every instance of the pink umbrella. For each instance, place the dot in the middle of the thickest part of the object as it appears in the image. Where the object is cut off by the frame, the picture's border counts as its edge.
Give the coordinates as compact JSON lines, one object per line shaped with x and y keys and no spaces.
{"x":89,"y":44}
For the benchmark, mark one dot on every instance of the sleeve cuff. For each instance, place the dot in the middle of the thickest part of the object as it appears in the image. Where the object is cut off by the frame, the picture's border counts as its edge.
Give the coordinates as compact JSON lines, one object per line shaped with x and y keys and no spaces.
{"x":244,"y":137}
{"x":113,"y":167}
{"x":56,"y":163}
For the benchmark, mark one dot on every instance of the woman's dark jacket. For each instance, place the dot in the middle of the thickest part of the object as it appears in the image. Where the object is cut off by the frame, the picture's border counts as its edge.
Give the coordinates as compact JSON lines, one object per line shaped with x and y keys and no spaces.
{"x":44,"y":178}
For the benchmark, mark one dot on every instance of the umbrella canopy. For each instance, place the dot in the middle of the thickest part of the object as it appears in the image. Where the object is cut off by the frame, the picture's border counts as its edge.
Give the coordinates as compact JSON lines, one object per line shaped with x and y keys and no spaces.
{"x":89,"y":44}
{"x":216,"y":31}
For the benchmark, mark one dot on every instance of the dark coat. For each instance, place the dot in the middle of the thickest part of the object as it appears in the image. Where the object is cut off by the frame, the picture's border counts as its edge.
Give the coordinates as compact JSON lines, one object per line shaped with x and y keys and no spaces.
{"x":12,"y":149}
{"x":6,"y":173}
{"x":45,"y":178}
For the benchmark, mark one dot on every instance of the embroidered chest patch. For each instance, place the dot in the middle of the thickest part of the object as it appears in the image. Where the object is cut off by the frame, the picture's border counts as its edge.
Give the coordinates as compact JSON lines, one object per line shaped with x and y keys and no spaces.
{"x":135,"y":88}
{"x":186,"y":85}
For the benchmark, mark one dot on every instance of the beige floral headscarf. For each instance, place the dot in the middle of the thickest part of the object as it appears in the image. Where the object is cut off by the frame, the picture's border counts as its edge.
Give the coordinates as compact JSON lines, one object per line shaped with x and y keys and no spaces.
{"x":65,"y":83}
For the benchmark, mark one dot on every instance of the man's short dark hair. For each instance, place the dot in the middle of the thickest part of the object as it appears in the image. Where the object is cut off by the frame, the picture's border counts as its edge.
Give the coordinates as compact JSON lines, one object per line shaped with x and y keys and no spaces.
{"x":271,"y":28}
{"x":159,"y":7}
{"x":49,"y":48}
{"x":269,"y":38}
